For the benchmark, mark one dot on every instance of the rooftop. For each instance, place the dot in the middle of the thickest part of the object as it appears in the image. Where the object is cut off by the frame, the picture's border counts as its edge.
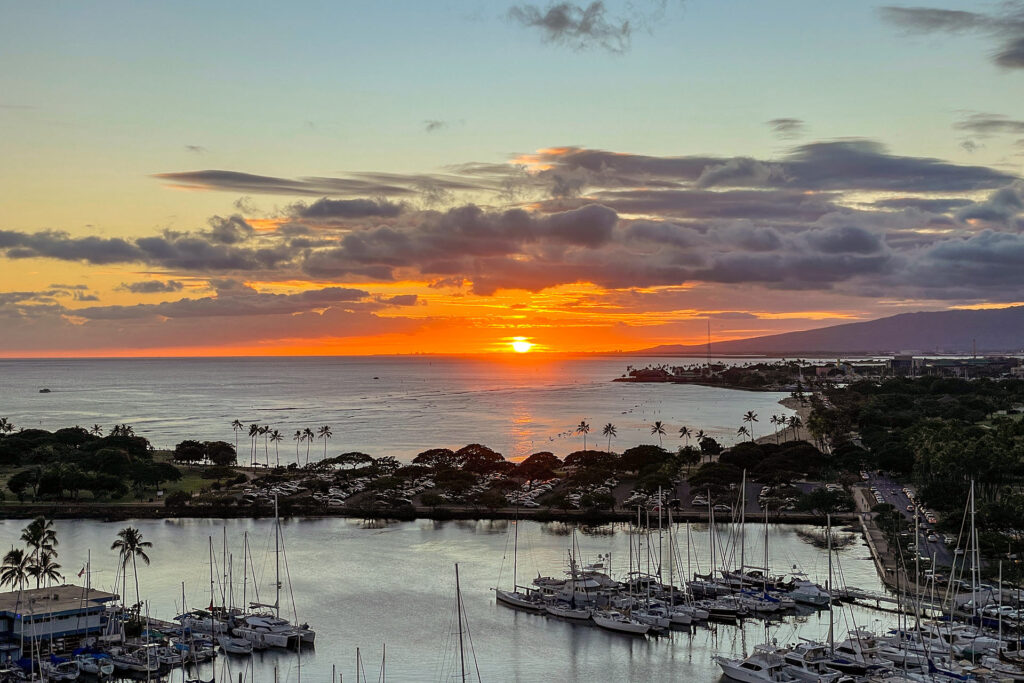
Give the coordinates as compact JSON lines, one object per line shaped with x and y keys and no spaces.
{"x":53,"y":599}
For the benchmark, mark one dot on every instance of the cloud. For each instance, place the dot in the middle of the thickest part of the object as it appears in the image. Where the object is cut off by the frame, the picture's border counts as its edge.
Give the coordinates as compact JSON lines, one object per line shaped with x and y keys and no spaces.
{"x":233,"y":302}
{"x":1006,"y":26}
{"x":236,"y":181}
{"x":1002,"y":206}
{"x":990,"y":124}
{"x":576,"y":26}
{"x":786,"y":128}
{"x":195,"y":149}
{"x":434,"y":125}
{"x":327,"y":209}
{"x":151,"y":286}
{"x":203,"y":252}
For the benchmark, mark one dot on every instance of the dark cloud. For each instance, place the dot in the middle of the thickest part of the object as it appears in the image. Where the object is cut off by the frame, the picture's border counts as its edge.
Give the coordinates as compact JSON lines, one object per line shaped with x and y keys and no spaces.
{"x":434,"y":125}
{"x":440,"y":242}
{"x":231,"y":230}
{"x":232,"y":302}
{"x":787,"y":128}
{"x":235,"y":181}
{"x":201,"y":252}
{"x":152,"y":286}
{"x":195,"y":149}
{"x":327,"y":209}
{"x":990,"y":124}
{"x":1011,"y":54}
{"x":576,"y":26}
{"x":60,"y":245}
{"x":1006,"y":26}
{"x":1002,"y":206}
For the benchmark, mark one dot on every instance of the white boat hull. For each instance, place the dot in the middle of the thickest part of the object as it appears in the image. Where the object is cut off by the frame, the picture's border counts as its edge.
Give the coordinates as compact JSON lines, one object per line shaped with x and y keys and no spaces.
{"x":619,"y":625}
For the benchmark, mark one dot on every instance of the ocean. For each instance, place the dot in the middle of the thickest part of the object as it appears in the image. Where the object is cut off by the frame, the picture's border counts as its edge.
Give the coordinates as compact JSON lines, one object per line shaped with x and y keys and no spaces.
{"x":396,"y":406}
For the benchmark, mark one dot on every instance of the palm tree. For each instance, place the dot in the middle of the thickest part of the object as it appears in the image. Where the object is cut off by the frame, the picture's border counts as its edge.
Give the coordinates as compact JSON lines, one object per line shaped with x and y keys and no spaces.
{"x":298,"y":438}
{"x":584,"y":429}
{"x":742,"y":431}
{"x":609,"y":431}
{"x":308,"y":433}
{"x":14,"y":571}
{"x":684,"y":433}
{"x":97,"y":430}
{"x":130,"y":545}
{"x":659,"y":429}
{"x":276,"y":437}
{"x":325,"y":433}
{"x":254,"y":431}
{"x":45,"y":568}
{"x":39,"y":537}
{"x":750,"y":417}
{"x":237,"y":426}
{"x":795,"y":423}
{"x":264,"y":431}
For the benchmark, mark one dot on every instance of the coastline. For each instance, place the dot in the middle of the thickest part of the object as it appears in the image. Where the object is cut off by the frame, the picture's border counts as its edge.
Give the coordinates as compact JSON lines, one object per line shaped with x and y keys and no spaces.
{"x":115,"y":513}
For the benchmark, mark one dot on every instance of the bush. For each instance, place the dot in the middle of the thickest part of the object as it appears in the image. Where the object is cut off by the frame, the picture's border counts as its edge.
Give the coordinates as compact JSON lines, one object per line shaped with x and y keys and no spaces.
{"x":177,"y":499}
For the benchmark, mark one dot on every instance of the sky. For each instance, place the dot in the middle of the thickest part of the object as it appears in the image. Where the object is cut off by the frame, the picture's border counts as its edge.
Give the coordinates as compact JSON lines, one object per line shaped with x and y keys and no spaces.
{"x":261,"y":178}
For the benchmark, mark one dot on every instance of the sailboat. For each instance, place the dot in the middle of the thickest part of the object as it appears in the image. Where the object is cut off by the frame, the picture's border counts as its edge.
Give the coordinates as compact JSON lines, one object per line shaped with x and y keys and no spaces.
{"x":515,"y":597}
{"x":267,"y":628}
{"x":573,"y":608}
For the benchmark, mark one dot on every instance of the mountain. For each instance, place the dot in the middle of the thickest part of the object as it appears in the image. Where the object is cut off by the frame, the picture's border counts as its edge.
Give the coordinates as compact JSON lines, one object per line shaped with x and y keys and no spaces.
{"x":948,"y":332}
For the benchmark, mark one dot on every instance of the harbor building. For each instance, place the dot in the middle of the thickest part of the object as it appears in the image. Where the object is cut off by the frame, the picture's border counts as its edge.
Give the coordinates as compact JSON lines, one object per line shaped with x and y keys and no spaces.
{"x":45,"y":614}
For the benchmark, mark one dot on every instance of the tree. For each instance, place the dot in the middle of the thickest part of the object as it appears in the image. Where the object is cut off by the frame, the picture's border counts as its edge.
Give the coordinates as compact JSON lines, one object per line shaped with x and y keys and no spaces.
{"x":254,"y":432}
{"x":40,"y":536}
{"x":584,"y":429}
{"x":774,"y":419}
{"x":189,"y":451}
{"x":684,"y":433}
{"x":609,"y":431}
{"x":21,"y":481}
{"x":97,"y":430}
{"x":264,"y":432}
{"x":709,"y":447}
{"x":45,"y":568}
{"x":325,"y":433}
{"x":237,"y":426}
{"x":742,"y":431}
{"x":298,"y":438}
{"x":14,"y":570}
{"x":795,"y":423}
{"x":540,"y":465}
{"x":276,"y":437}
{"x":750,"y":417}
{"x":308,"y":433}
{"x":659,"y":429}
{"x":130,"y":546}
{"x":220,"y":453}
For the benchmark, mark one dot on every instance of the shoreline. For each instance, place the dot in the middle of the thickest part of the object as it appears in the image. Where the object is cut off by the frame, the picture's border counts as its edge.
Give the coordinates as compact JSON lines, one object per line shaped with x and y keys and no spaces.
{"x":116,"y":513}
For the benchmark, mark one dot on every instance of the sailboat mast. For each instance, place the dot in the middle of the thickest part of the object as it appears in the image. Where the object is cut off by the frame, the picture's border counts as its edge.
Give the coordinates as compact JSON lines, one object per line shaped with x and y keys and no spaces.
{"x":515,"y":552}
{"x":458,"y":606}
{"x":277,"y":562}
{"x":212,"y":593}
{"x":743,"y":524}
{"x":831,"y":634}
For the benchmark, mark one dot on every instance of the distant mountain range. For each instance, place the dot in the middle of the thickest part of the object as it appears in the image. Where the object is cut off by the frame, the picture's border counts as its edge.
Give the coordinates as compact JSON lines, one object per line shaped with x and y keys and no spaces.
{"x":947,"y":332}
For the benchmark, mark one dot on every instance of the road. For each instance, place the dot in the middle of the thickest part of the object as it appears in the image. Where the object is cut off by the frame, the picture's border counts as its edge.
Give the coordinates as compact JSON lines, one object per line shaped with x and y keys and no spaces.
{"x":892,"y":492}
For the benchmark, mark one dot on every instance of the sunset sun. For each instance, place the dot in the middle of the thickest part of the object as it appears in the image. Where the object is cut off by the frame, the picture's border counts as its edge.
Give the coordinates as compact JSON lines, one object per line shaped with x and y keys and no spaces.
{"x":520,"y":345}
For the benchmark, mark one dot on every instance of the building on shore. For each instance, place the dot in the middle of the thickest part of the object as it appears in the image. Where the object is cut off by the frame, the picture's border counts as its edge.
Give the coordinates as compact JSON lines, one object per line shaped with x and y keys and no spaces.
{"x":55,"y":614}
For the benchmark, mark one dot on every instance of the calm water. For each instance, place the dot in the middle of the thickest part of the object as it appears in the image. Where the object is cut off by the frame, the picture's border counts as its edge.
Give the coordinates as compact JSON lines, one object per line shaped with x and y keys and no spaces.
{"x":365,"y":585}
{"x":382,"y":406}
